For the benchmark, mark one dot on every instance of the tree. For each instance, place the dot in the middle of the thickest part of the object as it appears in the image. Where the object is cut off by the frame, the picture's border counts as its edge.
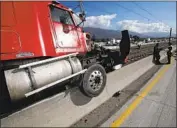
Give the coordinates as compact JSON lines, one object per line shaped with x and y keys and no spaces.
{"x":136,"y":38}
{"x":103,"y":40}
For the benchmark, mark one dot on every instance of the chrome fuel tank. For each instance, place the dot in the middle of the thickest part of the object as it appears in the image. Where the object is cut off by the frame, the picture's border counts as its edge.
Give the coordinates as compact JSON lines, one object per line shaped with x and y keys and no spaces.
{"x":21,"y":81}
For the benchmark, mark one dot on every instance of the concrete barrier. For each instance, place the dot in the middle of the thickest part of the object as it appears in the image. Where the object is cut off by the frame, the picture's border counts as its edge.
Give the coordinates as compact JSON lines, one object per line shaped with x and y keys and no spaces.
{"x":63,"y":111}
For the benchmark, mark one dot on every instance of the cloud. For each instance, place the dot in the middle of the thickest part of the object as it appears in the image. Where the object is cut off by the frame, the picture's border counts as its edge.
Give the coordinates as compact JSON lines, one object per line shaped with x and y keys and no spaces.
{"x":102,"y":21}
{"x":140,"y":27}
{"x":105,"y":22}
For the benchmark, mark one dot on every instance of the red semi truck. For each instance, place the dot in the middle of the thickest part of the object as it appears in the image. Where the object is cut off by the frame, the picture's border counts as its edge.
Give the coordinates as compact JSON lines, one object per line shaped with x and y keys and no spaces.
{"x":43,"y":46}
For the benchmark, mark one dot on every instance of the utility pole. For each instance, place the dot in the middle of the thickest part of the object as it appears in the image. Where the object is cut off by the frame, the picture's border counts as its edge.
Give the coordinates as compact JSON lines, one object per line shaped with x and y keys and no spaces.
{"x":81,"y":8}
{"x":170,"y":37}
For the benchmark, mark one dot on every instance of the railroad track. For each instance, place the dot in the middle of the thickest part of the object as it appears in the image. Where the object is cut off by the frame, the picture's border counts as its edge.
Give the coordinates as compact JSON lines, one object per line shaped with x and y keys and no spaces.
{"x":135,"y":55}
{"x":144,"y":51}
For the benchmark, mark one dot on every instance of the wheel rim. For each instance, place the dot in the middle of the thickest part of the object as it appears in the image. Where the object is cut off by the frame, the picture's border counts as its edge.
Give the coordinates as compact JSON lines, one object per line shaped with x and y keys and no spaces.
{"x":95,"y":80}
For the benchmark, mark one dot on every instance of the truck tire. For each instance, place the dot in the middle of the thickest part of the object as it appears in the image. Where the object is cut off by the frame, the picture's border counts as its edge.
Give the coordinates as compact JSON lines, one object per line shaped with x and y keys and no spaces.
{"x":94,"y":80}
{"x":4,"y":95}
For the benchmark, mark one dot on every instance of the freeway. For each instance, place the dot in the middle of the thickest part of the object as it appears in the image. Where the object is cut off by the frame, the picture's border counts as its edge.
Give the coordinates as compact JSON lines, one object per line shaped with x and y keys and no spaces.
{"x":153,"y":106}
{"x":58,"y":109}
{"x":149,"y":101}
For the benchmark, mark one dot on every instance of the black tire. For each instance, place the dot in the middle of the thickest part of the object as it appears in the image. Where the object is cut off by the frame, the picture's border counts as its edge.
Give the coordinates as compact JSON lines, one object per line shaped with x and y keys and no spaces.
{"x":4,"y":95}
{"x":99,"y":81}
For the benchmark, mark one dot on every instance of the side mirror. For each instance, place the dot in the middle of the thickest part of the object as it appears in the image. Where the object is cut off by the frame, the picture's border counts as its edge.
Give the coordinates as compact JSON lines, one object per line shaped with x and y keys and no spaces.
{"x":88,"y":36}
{"x":81,"y":16}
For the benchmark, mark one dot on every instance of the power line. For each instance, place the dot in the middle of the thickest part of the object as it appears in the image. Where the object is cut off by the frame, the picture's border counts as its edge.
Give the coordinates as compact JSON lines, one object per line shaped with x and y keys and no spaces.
{"x":149,"y":13}
{"x":104,"y":10}
{"x":142,"y":15}
{"x":108,"y":12}
{"x":144,"y":9}
{"x":133,"y":11}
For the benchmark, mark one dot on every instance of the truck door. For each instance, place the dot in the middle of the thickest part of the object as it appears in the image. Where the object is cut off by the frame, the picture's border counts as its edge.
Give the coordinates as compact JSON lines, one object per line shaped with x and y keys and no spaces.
{"x":10,"y":39}
{"x":66,"y":35}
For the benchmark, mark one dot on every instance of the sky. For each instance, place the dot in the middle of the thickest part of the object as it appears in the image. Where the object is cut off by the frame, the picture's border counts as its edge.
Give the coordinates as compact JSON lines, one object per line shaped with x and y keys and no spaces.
{"x":137,"y":16}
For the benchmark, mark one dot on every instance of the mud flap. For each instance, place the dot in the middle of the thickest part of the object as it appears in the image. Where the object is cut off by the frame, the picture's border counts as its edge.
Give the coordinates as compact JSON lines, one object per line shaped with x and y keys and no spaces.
{"x":124,"y":46}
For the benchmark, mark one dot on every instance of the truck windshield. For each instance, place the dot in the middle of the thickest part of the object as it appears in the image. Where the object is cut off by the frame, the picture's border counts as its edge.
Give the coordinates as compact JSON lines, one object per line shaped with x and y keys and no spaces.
{"x":62,"y":16}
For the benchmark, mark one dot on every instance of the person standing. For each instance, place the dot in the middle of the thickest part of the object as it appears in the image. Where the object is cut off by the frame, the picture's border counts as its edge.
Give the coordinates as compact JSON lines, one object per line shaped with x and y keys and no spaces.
{"x":169,"y":54}
{"x":156,"y":54}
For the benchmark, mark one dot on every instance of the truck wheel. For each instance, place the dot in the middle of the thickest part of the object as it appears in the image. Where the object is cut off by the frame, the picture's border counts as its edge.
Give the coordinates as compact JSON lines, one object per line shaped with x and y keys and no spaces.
{"x":4,"y":95}
{"x":94,"y":80}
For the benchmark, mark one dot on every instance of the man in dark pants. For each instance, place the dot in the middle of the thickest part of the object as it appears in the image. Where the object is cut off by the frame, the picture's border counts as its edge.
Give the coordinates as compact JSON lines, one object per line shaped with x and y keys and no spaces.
{"x":156,"y":54}
{"x":169,"y":54}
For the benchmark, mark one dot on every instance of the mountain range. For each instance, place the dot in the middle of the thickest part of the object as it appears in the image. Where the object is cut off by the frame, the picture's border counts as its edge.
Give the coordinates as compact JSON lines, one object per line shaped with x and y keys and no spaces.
{"x":106,"y":33}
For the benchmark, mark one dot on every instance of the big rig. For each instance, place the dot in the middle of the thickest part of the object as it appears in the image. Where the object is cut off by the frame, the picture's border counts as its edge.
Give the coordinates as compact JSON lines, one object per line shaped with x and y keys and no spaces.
{"x":42,"y":46}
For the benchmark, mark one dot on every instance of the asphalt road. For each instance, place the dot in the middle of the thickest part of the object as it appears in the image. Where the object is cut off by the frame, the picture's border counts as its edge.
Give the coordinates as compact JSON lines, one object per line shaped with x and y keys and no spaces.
{"x":101,"y":114}
{"x":153,"y":106}
{"x":11,"y":108}
{"x":51,"y":111}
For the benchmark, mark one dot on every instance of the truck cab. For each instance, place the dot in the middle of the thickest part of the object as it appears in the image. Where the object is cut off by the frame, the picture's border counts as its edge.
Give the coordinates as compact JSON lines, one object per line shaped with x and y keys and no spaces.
{"x":39,"y":29}
{"x":43,"y":46}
